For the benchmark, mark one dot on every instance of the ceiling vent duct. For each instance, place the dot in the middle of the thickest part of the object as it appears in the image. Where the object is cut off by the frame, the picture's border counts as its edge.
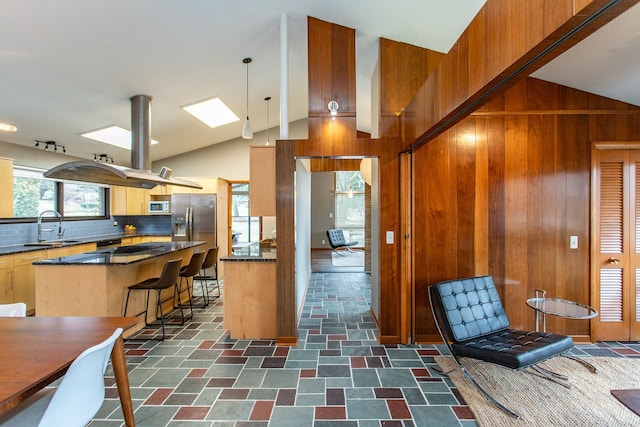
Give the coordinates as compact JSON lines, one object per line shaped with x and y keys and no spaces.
{"x":139,"y":175}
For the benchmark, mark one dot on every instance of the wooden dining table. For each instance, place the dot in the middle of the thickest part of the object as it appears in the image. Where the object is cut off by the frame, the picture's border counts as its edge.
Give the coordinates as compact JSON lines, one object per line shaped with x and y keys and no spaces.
{"x":36,"y":351}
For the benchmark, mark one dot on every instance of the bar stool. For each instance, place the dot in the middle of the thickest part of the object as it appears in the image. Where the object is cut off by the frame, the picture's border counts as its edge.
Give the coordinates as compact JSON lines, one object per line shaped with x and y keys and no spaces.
{"x":167,"y":279}
{"x":188,"y":272}
{"x":210,"y":261}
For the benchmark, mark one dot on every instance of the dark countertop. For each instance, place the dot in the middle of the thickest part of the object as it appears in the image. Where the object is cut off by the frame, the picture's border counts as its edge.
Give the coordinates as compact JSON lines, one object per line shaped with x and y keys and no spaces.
{"x":253,"y":252}
{"x":122,"y":255}
{"x":71,"y":241}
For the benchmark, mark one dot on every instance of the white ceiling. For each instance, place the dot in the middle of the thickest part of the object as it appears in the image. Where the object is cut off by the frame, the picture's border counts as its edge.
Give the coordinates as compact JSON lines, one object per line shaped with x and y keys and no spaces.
{"x":70,"y":66}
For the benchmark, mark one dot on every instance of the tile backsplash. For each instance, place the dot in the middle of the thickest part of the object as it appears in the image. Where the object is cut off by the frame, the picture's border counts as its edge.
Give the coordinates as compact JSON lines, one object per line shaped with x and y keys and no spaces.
{"x":20,"y":233}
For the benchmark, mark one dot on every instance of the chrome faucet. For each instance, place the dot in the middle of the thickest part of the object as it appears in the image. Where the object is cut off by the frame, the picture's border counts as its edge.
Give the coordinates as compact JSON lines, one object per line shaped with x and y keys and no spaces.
{"x":49,"y":230}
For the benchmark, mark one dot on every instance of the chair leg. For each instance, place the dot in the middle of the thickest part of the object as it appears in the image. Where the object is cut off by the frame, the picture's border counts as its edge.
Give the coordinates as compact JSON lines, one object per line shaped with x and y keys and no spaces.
{"x":487,"y":395}
{"x":551,"y":376}
{"x":159,"y":309}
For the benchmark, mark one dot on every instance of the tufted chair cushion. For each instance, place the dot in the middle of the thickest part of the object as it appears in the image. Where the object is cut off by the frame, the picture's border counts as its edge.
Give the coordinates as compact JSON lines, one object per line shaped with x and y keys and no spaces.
{"x":473,"y":320}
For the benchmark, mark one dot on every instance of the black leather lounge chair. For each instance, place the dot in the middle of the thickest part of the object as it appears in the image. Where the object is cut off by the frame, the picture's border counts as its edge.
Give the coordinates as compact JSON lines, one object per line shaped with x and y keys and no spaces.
{"x":337,"y":240}
{"x":472,"y":322}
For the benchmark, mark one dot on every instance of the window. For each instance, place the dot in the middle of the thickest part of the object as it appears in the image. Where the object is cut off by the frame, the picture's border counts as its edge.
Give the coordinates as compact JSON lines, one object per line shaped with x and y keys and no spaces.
{"x":245,"y":228}
{"x":33,"y":194}
{"x":350,"y":205}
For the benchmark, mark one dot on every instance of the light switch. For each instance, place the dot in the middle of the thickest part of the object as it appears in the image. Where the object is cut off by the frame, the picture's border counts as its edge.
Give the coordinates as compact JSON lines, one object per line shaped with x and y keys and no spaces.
{"x":573,"y":242}
{"x":389,"y":237}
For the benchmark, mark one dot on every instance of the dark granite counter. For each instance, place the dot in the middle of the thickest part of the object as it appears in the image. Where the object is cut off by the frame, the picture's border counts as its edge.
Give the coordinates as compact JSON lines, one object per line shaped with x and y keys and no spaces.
{"x":254,"y":252}
{"x":30,"y":247}
{"x":122,"y":255}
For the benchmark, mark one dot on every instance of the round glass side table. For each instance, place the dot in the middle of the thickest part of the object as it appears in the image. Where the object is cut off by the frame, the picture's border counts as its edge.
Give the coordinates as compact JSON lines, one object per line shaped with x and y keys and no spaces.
{"x":562,"y":308}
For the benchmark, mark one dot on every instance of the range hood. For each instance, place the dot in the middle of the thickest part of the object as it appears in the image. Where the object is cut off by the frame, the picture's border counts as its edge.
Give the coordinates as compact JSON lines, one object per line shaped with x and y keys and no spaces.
{"x":139,"y":175}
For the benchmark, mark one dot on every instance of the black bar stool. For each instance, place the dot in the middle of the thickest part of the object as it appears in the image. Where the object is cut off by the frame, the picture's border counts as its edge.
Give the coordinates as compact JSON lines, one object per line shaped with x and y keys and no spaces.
{"x":168,"y":278}
{"x":188,"y":272}
{"x":210,"y":261}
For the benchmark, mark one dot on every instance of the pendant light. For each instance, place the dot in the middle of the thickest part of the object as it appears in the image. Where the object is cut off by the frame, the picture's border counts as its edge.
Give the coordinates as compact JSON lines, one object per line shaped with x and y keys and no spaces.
{"x":247,"y":132}
{"x":268,"y":98}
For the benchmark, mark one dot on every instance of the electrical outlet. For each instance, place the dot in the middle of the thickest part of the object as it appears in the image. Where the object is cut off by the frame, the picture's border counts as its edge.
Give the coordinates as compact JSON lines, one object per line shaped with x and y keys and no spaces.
{"x":330,"y":214}
{"x":323,"y":241}
{"x":115,"y":222}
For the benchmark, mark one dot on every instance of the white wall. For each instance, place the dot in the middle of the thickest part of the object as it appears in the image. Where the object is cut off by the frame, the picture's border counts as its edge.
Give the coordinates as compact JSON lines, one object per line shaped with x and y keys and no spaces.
{"x":229,"y":159}
{"x":303,"y":232}
{"x":33,"y":157}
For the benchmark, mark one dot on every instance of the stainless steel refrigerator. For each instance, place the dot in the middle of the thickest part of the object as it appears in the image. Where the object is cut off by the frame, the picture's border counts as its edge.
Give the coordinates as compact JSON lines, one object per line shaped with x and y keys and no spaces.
{"x":193,"y":217}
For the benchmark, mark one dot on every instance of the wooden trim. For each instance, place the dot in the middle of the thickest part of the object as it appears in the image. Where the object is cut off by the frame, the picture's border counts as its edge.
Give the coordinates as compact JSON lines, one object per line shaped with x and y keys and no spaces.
{"x":552,"y":112}
{"x":407,"y":320}
{"x":286,"y":283}
{"x":616,"y":145}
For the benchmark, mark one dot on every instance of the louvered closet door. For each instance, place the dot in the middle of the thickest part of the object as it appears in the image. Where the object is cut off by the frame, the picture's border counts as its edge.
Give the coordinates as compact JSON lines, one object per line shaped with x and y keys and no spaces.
{"x":617,"y":231}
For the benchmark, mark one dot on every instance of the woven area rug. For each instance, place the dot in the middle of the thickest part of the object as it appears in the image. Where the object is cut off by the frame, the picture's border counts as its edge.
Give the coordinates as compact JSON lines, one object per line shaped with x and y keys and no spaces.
{"x":347,"y":259}
{"x":540,"y":402}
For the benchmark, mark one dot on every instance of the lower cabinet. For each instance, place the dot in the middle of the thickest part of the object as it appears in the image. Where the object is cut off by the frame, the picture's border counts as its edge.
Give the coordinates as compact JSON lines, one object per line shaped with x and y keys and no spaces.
{"x":24,"y":278}
{"x":6,"y":279}
{"x":250,"y":299}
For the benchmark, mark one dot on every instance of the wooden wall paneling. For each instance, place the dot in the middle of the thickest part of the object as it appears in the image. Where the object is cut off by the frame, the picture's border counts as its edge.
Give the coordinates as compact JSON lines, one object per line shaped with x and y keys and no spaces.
{"x":542,"y":245}
{"x":389,"y":262}
{"x":331,"y":165}
{"x":501,"y":28}
{"x":430,"y":228}
{"x":465,"y":175}
{"x":577,"y":178}
{"x":404,"y":69}
{"x":481,"y":203}
{"x":496,"y":188}
{"x":332,"y":77}
{"x":285,"y":207}
{"x":516,"y":200}
{"x":319,"y":68}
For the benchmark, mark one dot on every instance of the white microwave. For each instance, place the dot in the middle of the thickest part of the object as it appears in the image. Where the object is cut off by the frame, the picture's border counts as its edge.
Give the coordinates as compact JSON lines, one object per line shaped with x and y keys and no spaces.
{"x":159,"y":207}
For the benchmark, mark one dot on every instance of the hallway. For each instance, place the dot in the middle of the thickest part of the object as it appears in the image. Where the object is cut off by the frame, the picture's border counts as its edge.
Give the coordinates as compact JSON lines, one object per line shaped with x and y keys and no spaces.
{"x":338,"y":375}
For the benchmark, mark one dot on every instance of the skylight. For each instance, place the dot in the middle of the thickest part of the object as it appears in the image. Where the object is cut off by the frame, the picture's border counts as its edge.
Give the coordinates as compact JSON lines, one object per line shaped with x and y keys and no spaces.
{"x":114,"y":135}
{"x":213,"y":112}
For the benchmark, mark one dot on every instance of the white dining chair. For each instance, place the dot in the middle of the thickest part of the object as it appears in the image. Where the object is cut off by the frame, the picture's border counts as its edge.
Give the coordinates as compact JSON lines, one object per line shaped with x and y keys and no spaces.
{"x":75,"y":401}
{"x":17,"y":309}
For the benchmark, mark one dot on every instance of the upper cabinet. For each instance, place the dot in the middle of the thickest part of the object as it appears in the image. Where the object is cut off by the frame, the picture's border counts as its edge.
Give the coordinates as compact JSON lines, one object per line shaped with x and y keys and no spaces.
{"x":262,"y":184}
{"x":6,"y":187}
{"x":129,"y":201}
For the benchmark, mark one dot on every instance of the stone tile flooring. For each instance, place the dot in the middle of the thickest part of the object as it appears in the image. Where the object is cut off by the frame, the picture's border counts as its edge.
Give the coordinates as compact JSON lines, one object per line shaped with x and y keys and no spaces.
{"x":337,"y":376}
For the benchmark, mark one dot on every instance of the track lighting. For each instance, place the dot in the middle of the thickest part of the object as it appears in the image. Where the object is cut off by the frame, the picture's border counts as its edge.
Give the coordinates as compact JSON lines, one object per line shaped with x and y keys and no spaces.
{"x":50,"y":144}
{"x":102,"y":158}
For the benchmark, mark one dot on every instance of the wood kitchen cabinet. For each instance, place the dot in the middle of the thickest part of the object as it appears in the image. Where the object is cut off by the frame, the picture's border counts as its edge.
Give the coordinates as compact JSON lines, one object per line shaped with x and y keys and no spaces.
{"x":262,"y":181}
{"x":6,"y":187}
{"x":129,"y":201}
{"x":24,"y":278}
{"x":6,"y":279}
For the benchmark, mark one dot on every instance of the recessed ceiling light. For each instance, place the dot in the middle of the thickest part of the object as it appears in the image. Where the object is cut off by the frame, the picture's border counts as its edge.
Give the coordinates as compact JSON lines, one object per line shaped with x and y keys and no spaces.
{"x":7,"y":127}
{"x":114,"y":135}
{"x":213,"y":112}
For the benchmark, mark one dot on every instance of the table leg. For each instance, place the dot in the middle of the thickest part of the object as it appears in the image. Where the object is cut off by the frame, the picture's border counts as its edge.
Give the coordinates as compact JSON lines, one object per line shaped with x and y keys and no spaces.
{"x":119,"y":363}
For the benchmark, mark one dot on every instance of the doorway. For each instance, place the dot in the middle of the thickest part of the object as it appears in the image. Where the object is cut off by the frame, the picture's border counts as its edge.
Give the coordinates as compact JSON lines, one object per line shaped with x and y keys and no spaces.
{"x":309,"y":260}
{"x":616,"y":242}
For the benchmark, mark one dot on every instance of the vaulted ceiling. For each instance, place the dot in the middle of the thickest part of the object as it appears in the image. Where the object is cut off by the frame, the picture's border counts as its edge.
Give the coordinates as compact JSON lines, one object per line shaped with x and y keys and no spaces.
{"x":70,"y":66}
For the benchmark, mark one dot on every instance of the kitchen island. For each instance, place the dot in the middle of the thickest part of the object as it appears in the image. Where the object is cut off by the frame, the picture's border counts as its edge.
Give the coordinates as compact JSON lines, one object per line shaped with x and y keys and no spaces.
{"x":95,"y":283}
{"x":250,"y":292}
